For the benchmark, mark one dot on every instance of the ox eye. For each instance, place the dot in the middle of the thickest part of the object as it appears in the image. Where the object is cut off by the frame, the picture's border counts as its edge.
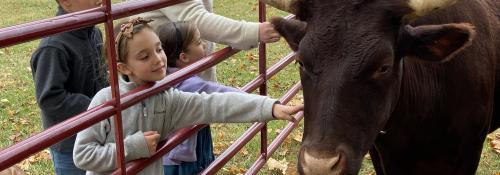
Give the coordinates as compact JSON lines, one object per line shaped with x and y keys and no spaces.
{"x":382,"y":71}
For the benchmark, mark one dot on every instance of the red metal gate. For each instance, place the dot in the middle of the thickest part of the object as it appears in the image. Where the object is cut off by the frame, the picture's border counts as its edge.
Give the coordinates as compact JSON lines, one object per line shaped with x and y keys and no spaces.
{"x":105,"y":14}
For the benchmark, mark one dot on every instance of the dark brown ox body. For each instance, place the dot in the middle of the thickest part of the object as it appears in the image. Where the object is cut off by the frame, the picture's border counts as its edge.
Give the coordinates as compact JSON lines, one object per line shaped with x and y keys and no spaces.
{"x":418,"y":92}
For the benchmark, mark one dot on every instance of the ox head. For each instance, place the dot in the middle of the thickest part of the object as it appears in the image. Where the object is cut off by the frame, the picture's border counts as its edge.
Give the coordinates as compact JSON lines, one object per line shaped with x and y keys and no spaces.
{"x":351,"y":54}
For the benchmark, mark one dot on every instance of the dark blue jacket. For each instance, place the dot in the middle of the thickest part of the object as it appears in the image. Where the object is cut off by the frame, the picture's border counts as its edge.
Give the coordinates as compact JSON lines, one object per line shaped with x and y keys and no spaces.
{"x":67,"y":72}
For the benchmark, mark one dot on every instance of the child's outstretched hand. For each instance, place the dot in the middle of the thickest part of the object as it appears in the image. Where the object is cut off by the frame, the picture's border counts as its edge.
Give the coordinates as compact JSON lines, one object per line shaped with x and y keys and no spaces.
{"x":284,"y":112}
{"x":152,"y":138}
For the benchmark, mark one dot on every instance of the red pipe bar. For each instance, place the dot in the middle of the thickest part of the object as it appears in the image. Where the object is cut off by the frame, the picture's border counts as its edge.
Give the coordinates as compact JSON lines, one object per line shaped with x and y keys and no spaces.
{"x":262,"y":72}
{"x":111,"y":55}
{"x":261,"y":160}
{"x":34,"y":30}
{"x":243,"y":140}
{"x":252,"y":85}
{"x":22,"y":150}
{"x":233,"y":149}
{"x":166,"y":146}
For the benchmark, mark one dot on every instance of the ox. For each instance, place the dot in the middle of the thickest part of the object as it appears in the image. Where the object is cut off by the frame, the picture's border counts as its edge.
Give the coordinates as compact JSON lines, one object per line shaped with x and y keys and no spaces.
{"x":412,"y":82}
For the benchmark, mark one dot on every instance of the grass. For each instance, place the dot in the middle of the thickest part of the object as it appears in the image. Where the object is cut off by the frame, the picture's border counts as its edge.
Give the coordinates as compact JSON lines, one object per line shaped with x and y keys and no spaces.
{"x":19,"y":114}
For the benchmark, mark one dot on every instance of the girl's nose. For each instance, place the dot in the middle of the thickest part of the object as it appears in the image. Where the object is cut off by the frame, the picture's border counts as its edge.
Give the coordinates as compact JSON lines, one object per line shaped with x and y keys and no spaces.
{"x":158,"y":58}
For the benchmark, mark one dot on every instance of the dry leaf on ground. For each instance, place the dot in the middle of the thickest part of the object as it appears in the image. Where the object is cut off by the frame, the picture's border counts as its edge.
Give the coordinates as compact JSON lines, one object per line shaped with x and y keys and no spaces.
{"x":42,"y":155}
{"x":297,"y":137}
{"x":495,"y":142}
{"x":281,"y":165}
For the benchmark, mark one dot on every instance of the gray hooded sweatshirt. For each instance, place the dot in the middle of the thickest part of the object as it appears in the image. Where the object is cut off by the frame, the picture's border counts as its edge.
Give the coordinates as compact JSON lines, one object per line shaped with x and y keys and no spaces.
{"x":95,"y":149}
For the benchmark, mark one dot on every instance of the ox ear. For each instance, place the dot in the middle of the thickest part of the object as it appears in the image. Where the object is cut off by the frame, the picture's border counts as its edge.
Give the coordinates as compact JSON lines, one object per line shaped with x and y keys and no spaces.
{"x":435,"y":42}
{"x":292,"y":30}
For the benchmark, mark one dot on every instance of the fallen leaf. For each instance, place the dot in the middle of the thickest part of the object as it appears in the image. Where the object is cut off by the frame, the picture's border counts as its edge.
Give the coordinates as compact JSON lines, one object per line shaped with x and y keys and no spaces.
{"x":297,"y":137}
{"x":11,"y":113}
{"x":283,"y":152}
{"x":231,"y":80}
{"x":42,"y":155}
{"x":251,"y":56}
{"x":281,"y":165}
{"x":221,"y":135}
{"x":4,"y":100}
{"x":16,"y":137}
{"x":495,"y":142}
{"x":244,"y":151}
{"x":233,"y":170}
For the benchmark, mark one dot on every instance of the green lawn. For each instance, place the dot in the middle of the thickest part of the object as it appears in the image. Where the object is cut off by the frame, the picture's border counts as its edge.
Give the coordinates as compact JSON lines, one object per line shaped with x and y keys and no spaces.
{"x":19,"y":114}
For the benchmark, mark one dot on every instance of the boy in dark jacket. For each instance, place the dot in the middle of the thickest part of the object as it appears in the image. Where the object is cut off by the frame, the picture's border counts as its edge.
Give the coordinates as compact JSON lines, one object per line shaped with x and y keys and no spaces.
{"x":67,"y":73}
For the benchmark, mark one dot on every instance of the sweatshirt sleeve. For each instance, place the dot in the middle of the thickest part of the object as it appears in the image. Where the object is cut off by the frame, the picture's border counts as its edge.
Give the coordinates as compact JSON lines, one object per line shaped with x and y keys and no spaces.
{"x":231,"y":107}
{"x":50,"y":73}
{"x":93,"y":151}
{"x":238,"y":34}
{"x":196,"y":84}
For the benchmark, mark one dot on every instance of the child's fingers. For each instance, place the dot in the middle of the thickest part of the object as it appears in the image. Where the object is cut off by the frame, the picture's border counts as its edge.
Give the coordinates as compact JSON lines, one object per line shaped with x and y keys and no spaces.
{"x":147,"y":133}
{"x":296,"y":109}
{"x":156,"y":137}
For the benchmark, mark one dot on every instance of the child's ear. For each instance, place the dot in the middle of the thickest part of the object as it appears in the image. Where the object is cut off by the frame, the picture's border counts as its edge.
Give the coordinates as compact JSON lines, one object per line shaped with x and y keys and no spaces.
{"x":183,"y":58}
{"x":123,"y":68}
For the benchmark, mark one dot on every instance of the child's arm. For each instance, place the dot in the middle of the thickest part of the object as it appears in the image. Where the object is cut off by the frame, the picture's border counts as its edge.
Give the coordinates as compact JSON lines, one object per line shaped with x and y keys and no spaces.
{"x":197,"y":84}
{"x":95,"y":148}
{"x":238,"y":34}
{"x":188,"y":108}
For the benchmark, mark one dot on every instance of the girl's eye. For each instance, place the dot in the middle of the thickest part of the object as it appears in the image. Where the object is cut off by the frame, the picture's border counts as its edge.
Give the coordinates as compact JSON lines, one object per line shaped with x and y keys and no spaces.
{"x":159,"y":50}
{"x":143,"y":57}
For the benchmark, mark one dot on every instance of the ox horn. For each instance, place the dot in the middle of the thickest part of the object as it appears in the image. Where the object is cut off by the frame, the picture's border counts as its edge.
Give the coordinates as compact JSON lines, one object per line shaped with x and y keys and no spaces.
{"x":285,"y":5}
{"x":424,"y":7}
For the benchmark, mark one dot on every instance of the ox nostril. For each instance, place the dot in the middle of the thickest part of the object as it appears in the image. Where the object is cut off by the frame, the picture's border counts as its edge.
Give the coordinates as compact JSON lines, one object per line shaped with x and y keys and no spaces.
{"x":317,"y":164}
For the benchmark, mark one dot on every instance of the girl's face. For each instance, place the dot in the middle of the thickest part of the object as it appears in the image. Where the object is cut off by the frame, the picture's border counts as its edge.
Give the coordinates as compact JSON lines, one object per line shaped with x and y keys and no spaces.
{"x":195,"y":50}
{"x":145,"y":61}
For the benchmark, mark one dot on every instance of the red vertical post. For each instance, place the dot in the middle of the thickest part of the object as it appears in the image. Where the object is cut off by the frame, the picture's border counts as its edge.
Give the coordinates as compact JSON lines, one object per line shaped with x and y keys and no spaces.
{"x":111,"y":56}
{"x":262,"y":72}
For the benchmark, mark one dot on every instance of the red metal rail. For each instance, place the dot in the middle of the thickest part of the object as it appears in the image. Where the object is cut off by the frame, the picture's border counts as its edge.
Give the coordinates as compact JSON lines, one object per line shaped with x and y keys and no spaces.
{"x":34,"y":30}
